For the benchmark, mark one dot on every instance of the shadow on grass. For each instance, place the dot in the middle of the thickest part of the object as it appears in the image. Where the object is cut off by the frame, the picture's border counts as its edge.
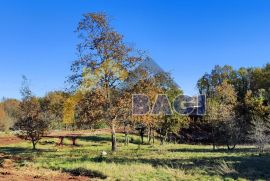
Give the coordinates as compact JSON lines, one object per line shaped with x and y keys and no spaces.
{"x":103,"y":139}
{"x":20,"y":153}
{"x":95,"y":138}
{"x":17,"y":150}
{"x":85,"y":172}
{"x":251,"y":167}
{"x":207,"y":150}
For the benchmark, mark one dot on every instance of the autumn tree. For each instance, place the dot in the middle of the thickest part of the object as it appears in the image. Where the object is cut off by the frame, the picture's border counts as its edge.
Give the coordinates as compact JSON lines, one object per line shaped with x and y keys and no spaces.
{"x":169,"y":125}
{"x":146,"y":123}
{"x":147,"y":80}
{"x":69,"y":108}
{"x":160,"y":89}
{"x":242,"y":81}
{"x":8,"y":113}
{"x":104,"y":62}
{"x":4,"y":121}
{"x":256,"y":104}
{"x":31,"y":124}
{"x":52,"y":104}
{"x":89,"y":109}
{"x":220,"y":113}
{"x":174,"y":122}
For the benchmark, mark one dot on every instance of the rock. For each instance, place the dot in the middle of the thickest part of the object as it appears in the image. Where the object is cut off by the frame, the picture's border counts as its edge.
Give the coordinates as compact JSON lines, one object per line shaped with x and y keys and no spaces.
{"x":103,"y":153}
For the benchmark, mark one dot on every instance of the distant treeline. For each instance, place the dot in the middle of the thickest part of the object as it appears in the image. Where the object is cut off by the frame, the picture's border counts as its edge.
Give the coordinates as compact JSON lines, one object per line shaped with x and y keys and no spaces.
{"x":237,"y":110}
{"x":238,"y":103}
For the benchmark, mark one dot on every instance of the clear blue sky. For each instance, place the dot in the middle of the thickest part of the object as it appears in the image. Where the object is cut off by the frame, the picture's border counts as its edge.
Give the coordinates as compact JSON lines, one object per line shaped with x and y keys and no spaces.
{"x":185,"y":37}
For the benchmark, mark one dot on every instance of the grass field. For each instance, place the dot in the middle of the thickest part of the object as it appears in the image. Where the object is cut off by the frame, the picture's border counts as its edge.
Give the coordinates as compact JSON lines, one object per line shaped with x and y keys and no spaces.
{"x":142,"y":162}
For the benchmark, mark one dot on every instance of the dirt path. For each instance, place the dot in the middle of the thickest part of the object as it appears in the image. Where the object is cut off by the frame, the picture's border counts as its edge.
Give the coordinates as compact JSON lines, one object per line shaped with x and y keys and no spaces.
{"x":9,"y":139}
{"x":31,"y":174}
{"x":9,"y":171}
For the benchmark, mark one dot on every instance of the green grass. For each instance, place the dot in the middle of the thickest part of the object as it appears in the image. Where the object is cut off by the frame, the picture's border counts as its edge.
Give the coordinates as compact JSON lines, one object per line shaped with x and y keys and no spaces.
{"x":144,"y":162}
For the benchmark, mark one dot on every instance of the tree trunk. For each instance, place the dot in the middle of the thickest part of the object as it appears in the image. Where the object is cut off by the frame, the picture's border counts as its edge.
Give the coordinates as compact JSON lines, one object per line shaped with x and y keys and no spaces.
{"x":153,"y":137}
{"x":165,"y":137}
{"x":114,"y":148}
{"x":141,"y":134}
{"x":161,"y":140}
{"x":126,"y":138}
{"x":149,"y":135}
{"x":213,"y":139}
{"x":231,"y":147}
{"x":126,"y":135}
{"x":34,"y":144}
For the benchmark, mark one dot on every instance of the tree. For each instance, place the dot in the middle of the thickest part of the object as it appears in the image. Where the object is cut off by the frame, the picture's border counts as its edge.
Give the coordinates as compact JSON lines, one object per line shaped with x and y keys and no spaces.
{"x":147,"y":86}
{"x":8,"y":113}
{"x":89,"y":109}
{"x":153,"y":83}
{"x":104,"y":62}
{"x":148,"y":79}
{"x":208,"y":82}
{"x":32,"y":124}
{"x":4,"y":122}
{"x":173,"y":123}
{"x":69,"y":109}
{"x":53,"y":105}
{"x":260,"y":77}
{"x":220,"y":113}
{"x":256,"y":104}
{"x":259,"y":133}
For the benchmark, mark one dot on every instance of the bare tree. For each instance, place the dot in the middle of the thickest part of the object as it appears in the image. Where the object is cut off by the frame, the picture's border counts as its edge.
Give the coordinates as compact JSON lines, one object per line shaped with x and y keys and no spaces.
{"x":259,"y":133}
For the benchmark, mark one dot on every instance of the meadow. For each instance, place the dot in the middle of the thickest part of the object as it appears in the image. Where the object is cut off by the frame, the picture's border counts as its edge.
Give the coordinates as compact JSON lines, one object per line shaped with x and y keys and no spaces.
{"x":142,"y":162}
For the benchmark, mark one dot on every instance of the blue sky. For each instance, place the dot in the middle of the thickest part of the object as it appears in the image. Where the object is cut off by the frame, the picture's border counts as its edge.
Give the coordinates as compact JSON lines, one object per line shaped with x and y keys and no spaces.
{"x":184,"y":37}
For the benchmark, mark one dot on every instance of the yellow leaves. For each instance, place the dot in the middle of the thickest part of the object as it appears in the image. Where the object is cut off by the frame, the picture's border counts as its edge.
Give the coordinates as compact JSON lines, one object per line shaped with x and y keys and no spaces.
{"x":2,"y":113}
{"x":255,"y":103}
{"x":68,"y":112}
{"x":145,"y":119}
{"x":226,"y":93}
{"x":69,"y":108}
{"x":212,"y":110}
{"x":108,"y":69}
{"x":90,"y":79}
{"x":222,"y":106}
